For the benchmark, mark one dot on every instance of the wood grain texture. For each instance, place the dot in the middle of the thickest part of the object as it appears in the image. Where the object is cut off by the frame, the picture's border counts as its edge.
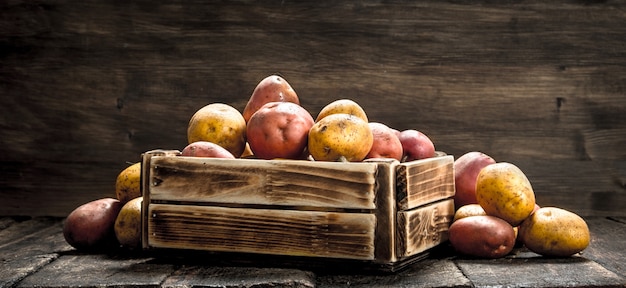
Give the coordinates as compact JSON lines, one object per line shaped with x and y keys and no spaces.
{"x":95,"y":83}
{"x":239,"y":277}
{"x":264,"y":182}
{"x":264,"y":231}
{"x":541,"y":272}
{"x":423,"y":228}
{"x":424,"y":181}
{"x":28,"y":245}
{"x":100,"y":270}
{"x":607,"y":233}
{"x":385,"y":230}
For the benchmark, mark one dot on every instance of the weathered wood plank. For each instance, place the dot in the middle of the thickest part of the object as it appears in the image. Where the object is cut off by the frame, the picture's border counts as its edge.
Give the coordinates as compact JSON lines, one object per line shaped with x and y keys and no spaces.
{"x":427,"y":273}
{"x":263,"y":182}
{"x":95,"y":83}
{"x":5,"y":222}
{"x":607,"y":245}
{"x":21,"y":230}
{"x":265,"y":231}
{"x":423,"y":228}
{"x":424,"y":181}
{"x":239,"y":277}
{"x":100,"y":270}
{"x":27,"y":246}
{"x":538,"y":272}
{"x":385,"y":229}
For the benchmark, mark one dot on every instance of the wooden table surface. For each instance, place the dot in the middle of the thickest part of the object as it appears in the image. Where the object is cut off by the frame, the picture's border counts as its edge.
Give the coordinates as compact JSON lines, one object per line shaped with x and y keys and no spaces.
{"x":33,"y":253}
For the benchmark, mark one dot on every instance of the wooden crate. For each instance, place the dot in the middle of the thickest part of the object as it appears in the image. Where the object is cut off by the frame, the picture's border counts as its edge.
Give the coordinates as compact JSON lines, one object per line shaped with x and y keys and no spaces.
{"x":381,"y":211}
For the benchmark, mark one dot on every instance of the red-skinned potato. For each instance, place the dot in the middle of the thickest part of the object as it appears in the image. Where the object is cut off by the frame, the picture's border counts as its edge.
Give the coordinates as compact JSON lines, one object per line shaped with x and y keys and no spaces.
{"x":482,"y":236}
{"x":386,"y":143}
{"x":90,"y":226}
{"x":206,"y":149}
{"x":279,"y":130}
{"x":395,"y":132}
{"x":272,"y":88}
{"x":416,"y":145}
{"x":466,"y":169}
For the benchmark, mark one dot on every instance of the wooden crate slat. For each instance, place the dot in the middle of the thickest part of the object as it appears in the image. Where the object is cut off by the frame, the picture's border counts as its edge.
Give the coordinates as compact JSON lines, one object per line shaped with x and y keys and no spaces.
{"x":276,"y":182}
{"x":423,"y":228}
{"x":265,"y":231}
{"x":424,"y":181}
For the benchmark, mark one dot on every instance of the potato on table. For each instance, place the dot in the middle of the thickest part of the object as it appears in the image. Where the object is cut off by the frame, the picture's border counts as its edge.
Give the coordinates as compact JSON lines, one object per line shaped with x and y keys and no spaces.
{"x":553,"y":231}
{"x":90,"y":226}
{"x":482,"y":236}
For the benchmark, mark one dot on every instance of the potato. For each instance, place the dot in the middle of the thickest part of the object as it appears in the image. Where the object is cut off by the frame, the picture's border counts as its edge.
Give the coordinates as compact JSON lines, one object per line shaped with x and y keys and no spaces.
{"x":345,"y":106}
{"x":128,"y":224}
{"x":221,"y":124}
{"x":467,"y":211}
{"x":128,"y":183}
{"x":416,"y":145}
{"x":90,"y":226}
{"x":247,"y":153}
{"x":482,"y":236}
{"x":518,"y":239}
{"x":503,"y":190}
{"x":272,"y":88}
{"x":206,"y":149}
{"x":466,"y":169}
{"x":338,"y":136}
{"x":553,"y":231}
{"x":279,"y":130}
{"x":386,"y":144}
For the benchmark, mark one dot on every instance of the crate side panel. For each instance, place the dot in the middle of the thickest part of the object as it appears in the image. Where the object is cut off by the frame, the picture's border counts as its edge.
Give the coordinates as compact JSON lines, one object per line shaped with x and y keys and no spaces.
{"x":423,"y":228}
{"x":386,"y":213}
{"x":425,"y":181}
{"x":264,"y":182}
{"x":146,"y":159}
{"x":264,"y":231}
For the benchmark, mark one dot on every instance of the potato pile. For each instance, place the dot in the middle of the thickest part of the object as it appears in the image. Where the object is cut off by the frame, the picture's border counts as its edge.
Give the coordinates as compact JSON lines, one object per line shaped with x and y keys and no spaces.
{"x":496,"y":210}
{"x":496,"y":207}
{"x":273,"y":125}
{"x":109,"y":223}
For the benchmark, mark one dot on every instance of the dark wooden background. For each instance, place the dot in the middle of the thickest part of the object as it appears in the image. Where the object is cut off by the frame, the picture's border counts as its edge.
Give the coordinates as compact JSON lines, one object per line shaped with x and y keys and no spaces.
{"x":87,"y":86}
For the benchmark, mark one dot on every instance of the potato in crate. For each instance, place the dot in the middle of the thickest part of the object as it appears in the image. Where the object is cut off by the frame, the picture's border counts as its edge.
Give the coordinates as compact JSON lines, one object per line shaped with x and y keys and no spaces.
{"x":378,"y":211}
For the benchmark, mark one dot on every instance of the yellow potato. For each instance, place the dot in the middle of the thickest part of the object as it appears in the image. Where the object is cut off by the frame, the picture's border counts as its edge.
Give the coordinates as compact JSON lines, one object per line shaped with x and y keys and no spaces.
{"x":247,"y":152}
{"x":221,"y":124}
{"x":467,"y":211}
{"x":340,"y":135}
{"x":503,"y":190}
{"x":552,"y":231}
{"x":128,"y":224}
{"x":346,"y":106}
{"x":128,"y":183}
